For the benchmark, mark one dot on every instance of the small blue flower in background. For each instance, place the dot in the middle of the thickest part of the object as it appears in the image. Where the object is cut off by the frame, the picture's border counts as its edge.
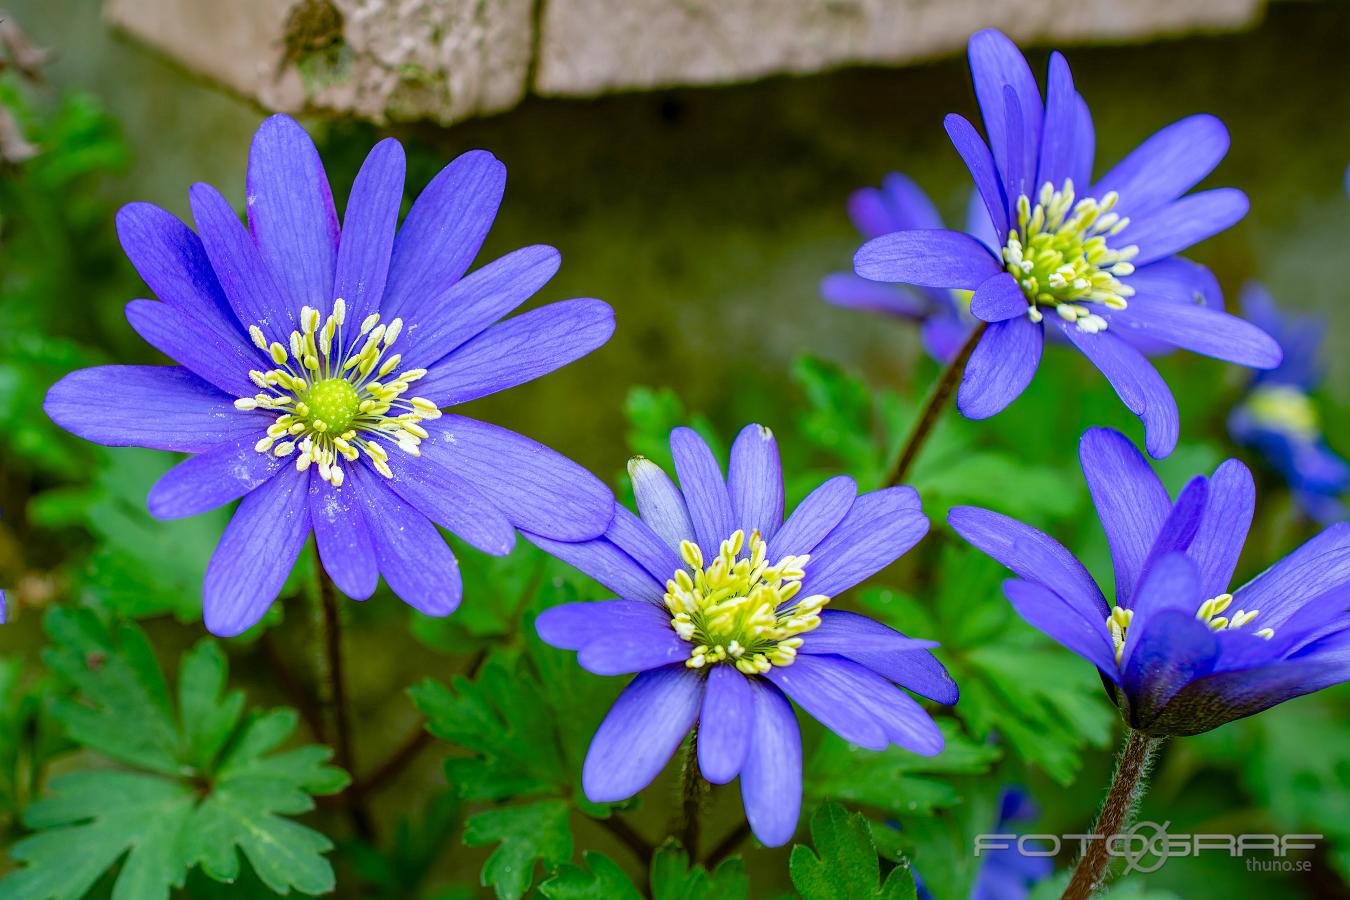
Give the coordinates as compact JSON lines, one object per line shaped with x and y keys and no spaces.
{"x":1094,"y":260}
{"x":1181,"y":651}
{"x":314,"y":363}
{"x":721,"y":637}
{"x":1277,"y":417}
{"x":1005,"y":873}
{"x":900,"y":205}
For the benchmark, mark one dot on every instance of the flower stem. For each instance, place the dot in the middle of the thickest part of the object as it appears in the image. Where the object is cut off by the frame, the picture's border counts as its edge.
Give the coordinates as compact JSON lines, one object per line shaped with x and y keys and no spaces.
{"x":694,"y":788}
{"x":932,"y":408}
{"x":333,"y":691}
{"x":1127,"y":788}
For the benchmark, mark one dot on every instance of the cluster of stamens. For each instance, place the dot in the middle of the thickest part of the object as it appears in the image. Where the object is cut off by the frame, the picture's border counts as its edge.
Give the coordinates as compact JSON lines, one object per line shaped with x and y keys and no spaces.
{"x":740,"y":609}
{"x":1059,"y":256}
{"x":1210,"y":612}
{"x":1285,"y":408}
{"x":332,"y":400}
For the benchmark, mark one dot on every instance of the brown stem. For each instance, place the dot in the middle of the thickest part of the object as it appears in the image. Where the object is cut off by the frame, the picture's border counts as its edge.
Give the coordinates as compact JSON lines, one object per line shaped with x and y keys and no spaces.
{"x":1127,"y":787}
{"x":694,"y":788}
{"x":333,"y":693}
{"x":641,"y":847}
{"x":933,"y":407}
{"x":726,"y":845}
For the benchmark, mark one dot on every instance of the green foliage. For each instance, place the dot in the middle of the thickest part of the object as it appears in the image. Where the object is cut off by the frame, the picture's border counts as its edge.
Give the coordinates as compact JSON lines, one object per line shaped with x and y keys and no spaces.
{"x":208,"y":784}
{"x":844,"y":864}
{"x":538,"y":831}
{"x":652,"y":414}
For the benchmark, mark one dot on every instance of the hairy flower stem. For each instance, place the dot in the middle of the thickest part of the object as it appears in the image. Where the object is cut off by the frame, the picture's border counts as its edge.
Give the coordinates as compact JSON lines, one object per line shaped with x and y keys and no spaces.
{"x":694,"y":788}
{"x":933,"y":408}
{"x":333,"y":692}
{"x":1127,"y":788}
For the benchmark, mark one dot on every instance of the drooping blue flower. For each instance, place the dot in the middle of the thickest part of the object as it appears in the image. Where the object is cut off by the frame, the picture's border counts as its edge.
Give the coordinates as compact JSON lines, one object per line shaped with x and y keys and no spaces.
{"x":1181,"y":651}
{"x":1277,"y":417}
{"x":721,"y":611}
{"x":1005,"y":873}
{"x":1095,"y":260}
{"x":900,"y":205}
{"x":314,"y":363}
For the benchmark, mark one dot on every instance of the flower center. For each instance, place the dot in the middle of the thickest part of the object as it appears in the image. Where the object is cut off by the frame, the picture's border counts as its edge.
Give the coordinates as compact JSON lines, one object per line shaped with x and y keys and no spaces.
{"x":331,"y":402}
{"x":1210,"y":612}
{"x":1284,"y":408}
{"x":740,"y":609}
{"x":1059,"y":256}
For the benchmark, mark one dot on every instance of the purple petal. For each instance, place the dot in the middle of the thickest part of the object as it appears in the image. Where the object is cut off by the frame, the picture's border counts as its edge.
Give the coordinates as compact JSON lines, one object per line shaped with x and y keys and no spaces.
{"x":1183,"y":222}
{"x":256,"y":553}
{"x":928,"y":258}
{"x":442,"y":233}
{"x":1053,"y":616}
{"x":634,"y":537}
{"x":1169,"y":650}
{"x":607,"y":564}
{"x":209,"y":480}
{"x":1035,"y":556}
{"x":815,"y":517}
{"x":828,"y":691}
{"x":1318,"y":566}
{"x":572,"y":626}
{"x":903,"y":719}
{"x":919,"y":671}
{"x":247,"y":282}
{"x":223,"y":361}
{"x":755,"y":481}
{"x":1170,"y":583}
{"x":160,"y":407}
{"x":1059,"y":151}
{"x":1182,"y":524}
{"x":452,"y":502}
{"x":704,"y":490}
{"x":1217,"y":699}
{"x":1135,"y":381}
{"x":1130,"y":500}
{"x":641,"y":731}
{"x":851,"y":291}
{"x":1178,"y":280}
{"x":1018,"y":165}
{"x":368,"y":231}
{"x":171,"y":260}
{"x":1223,"y":528}
{"x":1000,"y":368}
{"x":518,"y":350}
{"x":944,"y":336}
{"x":878,"y":529}
{"x":1165,"y":166}
{"x":346,"y":547}
{"x":1198,"y":329}
{"x":466,"y":308}
{"x":998,"y":299}
{"x":996,"y":64}
{"x":845,"y":638}
{"x":771,"y":778}
{"x":898,"y":205}
{"x":1086,"y":144}
{"x":414,"y":559}
{"x":660,"y":503}
{"x":538,"y":489}
{"x":975,"y":155}
{"x":725,"y":725}
{"x":291,"y":215}
{"x":640,"y":645}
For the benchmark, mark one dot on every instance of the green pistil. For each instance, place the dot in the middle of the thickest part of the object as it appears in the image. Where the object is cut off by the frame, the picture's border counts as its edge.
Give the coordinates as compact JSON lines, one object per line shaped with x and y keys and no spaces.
{"x":333,"y":402}
{"x":741,"y":610}
{"x":1282,"y":407}
{"x":1059,"y":255}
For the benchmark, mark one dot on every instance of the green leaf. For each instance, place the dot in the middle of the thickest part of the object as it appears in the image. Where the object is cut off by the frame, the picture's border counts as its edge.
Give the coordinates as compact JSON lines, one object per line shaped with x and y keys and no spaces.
{"x":652,"y":414}
{"x":673,"y":879}
{"x":844,"y":865}
{"x":538,"y":831}
{"x":604,"y":881}
{"x":210,"y":782}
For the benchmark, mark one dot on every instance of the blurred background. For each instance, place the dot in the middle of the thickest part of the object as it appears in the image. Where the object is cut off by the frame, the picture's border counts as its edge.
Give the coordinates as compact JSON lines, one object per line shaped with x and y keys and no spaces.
{"x":702,"y":193}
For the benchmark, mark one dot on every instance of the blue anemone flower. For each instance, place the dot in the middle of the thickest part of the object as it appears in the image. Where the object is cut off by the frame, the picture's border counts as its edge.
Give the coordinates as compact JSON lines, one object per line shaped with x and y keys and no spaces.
{"x":1277,"y":417}
{"x":314,"y":363}
{"x":1094,"y":260}
{"x":900,"y":205}
{"x":1180,"y":652}
{"x":721,"y":611}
